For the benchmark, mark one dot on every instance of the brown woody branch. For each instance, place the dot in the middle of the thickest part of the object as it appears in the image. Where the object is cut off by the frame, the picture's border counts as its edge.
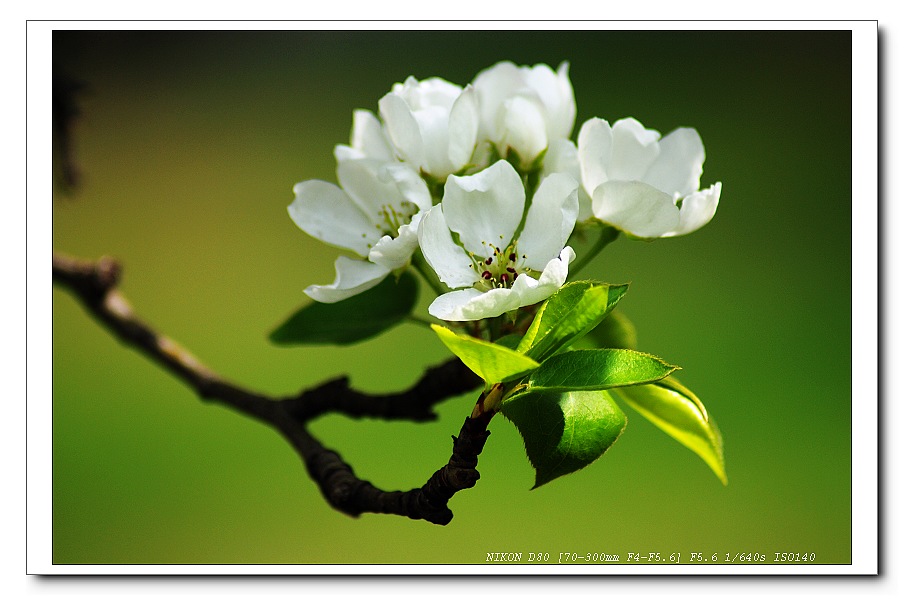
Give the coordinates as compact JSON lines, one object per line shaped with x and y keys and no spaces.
{"x":95,"y":283}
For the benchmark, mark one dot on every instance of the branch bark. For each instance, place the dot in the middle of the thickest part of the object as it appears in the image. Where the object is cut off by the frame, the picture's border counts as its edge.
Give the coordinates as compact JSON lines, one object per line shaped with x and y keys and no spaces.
{"x":95,"y":284}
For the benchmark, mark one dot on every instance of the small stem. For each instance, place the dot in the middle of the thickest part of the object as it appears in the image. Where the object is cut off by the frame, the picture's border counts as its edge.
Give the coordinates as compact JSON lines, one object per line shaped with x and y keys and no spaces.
{"x":426,"y":271}
{"x":531,"y":180}
{"x":607,"y":236}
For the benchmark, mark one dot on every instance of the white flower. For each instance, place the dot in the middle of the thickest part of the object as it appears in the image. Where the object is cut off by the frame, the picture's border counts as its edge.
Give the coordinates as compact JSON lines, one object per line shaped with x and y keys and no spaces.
{"x":495,"y":270}
{"x":524,"y":108}
{"x":375,"y":213}
{"x":636,"y":178}
{"x":368,"y":139}
{"x":432,"y":124}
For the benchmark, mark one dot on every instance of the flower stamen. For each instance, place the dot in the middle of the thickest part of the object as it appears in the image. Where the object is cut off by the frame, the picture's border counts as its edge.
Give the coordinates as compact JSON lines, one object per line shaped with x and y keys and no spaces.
{"x":501,"y":269}
{"x":390,"y":217}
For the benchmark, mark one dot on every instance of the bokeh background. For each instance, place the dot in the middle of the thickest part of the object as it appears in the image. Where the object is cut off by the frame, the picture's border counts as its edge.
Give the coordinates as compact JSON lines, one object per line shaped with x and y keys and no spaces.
{"x":189,"y":144}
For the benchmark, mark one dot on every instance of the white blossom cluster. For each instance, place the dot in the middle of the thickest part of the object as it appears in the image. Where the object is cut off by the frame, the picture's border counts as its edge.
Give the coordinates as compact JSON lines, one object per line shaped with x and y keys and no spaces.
{"x":486,"y":183}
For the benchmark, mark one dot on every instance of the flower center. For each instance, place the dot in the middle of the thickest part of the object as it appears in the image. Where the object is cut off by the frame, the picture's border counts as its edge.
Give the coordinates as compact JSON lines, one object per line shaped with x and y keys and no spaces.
{"x":501,"y":269}
{"x":391,"y":217}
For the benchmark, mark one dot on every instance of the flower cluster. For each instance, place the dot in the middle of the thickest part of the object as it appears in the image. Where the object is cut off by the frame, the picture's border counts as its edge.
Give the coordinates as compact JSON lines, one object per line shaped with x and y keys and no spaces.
{"x":481,"y":187}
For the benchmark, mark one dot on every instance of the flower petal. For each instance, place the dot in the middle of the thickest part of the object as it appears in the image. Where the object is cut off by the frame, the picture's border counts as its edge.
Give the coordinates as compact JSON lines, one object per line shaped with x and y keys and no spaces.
{"x":679,"y":166}
{"x":346,"y":152}
{"x":467,"y":304}
{"x":464,"y":120}
{"x":531,"y":291}
{"x":368,"y":136}
{"x":432,"y":92}
{"x":555,"y":92}
{"x":324,"y":211}
{"x":524,"y":129}
{"x":696,"y":210}
{"x":562,"y":122}
{"x":562,"y":157}
{"x":367,"y":186}
{"x":634,"y":148}
{"x":636,"y":208}
{"x":433,"y":123}
{"x":494,"y":85}
{"x":403,"y":129}
{"x":485,"y":208}
{"x":550,"y":220}
{"x":447,"y":258}
{"x":594,"y":152}
{"x":472,"y":304}
{"x":352,"y":277}
{"x":409,"y":183}
{"x":367,"y":139}
{"x":395,"y":252}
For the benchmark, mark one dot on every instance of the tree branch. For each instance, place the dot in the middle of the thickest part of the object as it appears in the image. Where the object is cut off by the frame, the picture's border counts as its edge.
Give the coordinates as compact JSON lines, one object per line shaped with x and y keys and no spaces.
{"x":95,"y":283}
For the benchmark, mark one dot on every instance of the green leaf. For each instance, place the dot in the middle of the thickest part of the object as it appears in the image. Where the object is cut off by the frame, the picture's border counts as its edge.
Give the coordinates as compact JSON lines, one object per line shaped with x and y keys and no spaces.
{"x":616,"y":331}
{"x":492,"y":362}
{"x":677,"y":411}
{"x":353,"y":320}
{"x":592,"y":370}
{"x":564,"y":432}
{"x":568,"y":315}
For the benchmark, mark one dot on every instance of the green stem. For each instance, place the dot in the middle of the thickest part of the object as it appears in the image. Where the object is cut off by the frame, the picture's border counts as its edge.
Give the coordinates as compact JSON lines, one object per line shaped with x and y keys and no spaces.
{"x":607,"y":236}
{"x":426,"y":271}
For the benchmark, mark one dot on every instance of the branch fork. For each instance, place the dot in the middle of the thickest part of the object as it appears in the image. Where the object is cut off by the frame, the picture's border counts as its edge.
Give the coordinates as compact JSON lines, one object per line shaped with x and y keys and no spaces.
{"x":95,"y":284}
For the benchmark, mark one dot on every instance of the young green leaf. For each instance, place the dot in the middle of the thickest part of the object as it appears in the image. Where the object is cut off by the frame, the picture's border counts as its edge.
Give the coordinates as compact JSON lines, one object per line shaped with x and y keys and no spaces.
{"x":569,"y":314}
{"x":592,"y":370}
{"x":564,"y":432}
{"x":352,"y":320}
{"x":492,"y":362}
{"x":677,"y":411}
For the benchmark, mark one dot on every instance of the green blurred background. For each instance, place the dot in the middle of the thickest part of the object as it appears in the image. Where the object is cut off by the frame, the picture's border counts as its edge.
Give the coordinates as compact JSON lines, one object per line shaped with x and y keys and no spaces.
{"x":189,"y":145}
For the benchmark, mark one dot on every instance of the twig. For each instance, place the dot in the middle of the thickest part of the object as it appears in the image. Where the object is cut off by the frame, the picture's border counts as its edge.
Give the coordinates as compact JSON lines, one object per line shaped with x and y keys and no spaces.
{"x":95,"y":284}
